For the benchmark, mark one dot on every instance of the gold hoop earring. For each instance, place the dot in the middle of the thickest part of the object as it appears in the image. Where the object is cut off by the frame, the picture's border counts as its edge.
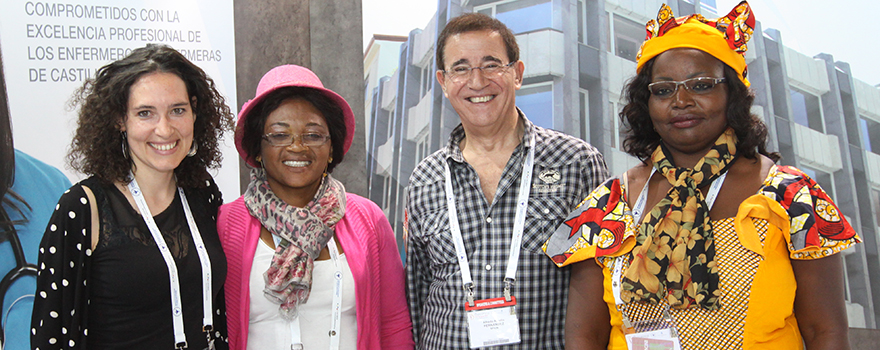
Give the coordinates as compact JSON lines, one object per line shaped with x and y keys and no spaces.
{"x":330,"y":161}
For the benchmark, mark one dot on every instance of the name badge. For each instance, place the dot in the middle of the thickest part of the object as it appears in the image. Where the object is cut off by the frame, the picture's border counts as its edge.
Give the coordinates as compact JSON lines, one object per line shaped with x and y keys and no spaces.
{"x":492,"y":322}
{"x":653,"y":335}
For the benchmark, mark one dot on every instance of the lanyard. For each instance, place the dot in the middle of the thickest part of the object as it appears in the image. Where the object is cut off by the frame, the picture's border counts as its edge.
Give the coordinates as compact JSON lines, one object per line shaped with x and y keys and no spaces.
{"x":522,"y":203}
{"x":638,"y":208}
{"x":204,"y":259}
{"x":335,"y":308}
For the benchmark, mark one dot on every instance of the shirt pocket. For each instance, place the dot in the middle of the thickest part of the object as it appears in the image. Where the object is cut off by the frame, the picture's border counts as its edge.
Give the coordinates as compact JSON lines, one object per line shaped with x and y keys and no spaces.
{"x":438,"y":238}
{"x":543,"y":216}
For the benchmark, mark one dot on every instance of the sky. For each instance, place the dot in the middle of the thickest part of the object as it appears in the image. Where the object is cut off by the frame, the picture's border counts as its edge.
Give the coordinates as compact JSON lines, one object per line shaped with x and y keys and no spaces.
{"x":846,"y":29}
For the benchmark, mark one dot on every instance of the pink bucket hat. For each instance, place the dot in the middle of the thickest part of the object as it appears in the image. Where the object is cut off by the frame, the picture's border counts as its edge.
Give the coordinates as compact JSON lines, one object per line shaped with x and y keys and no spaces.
{"x":284,"y":76}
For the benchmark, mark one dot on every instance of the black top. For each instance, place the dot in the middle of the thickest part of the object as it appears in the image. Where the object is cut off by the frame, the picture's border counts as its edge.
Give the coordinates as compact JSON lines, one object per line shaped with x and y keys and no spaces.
{"x":118,"y":297}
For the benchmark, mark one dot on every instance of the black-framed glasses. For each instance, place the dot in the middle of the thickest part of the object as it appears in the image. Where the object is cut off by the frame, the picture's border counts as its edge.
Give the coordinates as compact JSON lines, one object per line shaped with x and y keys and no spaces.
{"x":283,"y":139}
{"x":461,"y":72}
{"x":699,"y":86}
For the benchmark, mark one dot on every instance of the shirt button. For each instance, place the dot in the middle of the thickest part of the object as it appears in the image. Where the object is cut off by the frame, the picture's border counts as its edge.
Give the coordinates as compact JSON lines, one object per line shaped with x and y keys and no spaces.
{"x":489,"y":219}
{"x":546,"y":210}
{"x":488,"y":267}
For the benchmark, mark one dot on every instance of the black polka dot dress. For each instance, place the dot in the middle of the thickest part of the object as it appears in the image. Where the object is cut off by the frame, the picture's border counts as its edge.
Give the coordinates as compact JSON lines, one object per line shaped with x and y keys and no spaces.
{"x":118,"y":296}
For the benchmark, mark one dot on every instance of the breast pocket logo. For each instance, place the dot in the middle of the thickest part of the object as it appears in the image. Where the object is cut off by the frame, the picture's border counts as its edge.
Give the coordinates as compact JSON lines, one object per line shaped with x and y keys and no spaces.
{"x":550,"y":178}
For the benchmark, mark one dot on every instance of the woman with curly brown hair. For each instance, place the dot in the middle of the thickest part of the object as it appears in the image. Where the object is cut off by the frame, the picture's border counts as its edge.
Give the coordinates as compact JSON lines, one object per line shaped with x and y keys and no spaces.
{"x":131,"y":258}
{"x":707,"y":244}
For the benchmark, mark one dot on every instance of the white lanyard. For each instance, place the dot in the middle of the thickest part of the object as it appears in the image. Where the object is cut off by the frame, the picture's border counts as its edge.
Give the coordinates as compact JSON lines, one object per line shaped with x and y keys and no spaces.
{"x":176,"y":305}
{"x":522,"y":203}
{"x":639,"y":207}
{"x":335,"y":308}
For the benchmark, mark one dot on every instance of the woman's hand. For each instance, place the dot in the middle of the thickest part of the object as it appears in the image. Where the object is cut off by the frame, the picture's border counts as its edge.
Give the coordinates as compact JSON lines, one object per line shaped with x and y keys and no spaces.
{"x":819,"y":303}
{"x":587,"y":321}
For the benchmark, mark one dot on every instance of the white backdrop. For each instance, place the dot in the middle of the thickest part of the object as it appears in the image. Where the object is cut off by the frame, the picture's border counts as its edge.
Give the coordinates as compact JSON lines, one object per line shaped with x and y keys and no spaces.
{"x":49,"y":48}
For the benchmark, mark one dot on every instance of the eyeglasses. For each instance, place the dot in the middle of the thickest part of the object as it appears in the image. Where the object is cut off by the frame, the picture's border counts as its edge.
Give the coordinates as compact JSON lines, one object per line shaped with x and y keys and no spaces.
{"x":284,"y":139}
{"x":492,"y":70}
{"x":699,"y":86}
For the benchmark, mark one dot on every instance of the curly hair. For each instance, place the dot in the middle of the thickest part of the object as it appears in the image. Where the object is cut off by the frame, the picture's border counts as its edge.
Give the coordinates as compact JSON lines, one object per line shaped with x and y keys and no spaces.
{"x":96,"y":147}
{"x":252,"y":137}
{"x":472,"y":22}
{"x":641,"y":140}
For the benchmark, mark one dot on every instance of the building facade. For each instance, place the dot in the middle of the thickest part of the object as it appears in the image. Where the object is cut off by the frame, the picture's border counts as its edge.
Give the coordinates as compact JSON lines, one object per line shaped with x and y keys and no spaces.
{"x":578,"y":56}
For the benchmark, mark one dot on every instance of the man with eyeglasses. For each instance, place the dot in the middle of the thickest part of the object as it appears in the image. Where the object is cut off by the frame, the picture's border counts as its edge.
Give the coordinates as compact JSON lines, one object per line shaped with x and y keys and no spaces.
{"x":479,"y":209}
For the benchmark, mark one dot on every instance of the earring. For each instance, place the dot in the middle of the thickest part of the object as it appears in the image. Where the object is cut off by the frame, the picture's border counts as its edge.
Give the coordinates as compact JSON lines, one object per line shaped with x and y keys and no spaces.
{"x":330,"y":161}
{"x":259,"y":160}
{"x":124,"y":148}
{"x":193,"y":150}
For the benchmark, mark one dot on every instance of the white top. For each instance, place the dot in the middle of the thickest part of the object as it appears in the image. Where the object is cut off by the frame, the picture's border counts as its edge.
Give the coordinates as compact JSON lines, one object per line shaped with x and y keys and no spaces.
{"x":269,"y":331}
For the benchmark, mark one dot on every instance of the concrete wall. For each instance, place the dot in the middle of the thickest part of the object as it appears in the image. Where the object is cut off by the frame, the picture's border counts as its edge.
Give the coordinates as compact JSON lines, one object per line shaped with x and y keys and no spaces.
{"x":864,"y":339}
{"x":324,"y":35}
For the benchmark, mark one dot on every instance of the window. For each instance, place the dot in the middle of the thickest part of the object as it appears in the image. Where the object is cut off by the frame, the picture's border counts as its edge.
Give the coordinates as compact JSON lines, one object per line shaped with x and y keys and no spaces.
{"x":584,"y":107}
{"x":870,"y":135}
{"x":536,"y":101}
{"x":582,"y":22}
{"x":875,"y":203}
{"x":391,"y":117}
{"x":389,"y":193}
{"x":377,"y":190}
{"x":426,"y":78}
{"x":521,"y":15}
{"x":628,"y":37}
{"x":619,"y":132}
{"x":806,"y":109}
{"x":825,"y":180}
{"x":709,"y":5}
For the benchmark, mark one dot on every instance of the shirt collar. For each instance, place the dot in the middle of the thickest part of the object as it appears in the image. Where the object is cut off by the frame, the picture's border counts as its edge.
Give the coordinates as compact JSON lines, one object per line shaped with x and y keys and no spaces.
{"x":453,"y":148}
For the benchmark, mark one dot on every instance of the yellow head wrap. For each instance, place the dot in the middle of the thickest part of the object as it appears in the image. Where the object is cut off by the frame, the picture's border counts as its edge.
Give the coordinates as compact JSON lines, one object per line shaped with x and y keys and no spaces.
{"x":724,"y":38}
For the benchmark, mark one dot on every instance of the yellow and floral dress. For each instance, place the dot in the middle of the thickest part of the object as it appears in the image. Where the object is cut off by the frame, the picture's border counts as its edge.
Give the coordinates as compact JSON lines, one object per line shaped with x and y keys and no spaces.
{"x":790,"y":217}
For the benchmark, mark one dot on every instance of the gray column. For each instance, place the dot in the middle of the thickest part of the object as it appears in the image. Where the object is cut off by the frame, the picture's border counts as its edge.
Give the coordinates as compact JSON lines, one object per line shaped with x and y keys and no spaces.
{"x":324,"y":35}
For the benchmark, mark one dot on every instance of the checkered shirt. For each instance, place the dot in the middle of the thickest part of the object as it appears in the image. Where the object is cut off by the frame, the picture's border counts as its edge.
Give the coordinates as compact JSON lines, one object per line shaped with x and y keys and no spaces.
{"x":566,"y":169}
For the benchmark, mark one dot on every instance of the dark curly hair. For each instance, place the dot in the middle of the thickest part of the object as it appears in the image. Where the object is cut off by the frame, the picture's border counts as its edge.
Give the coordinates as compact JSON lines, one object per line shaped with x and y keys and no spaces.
{"x":96,"y":148}
{"x":252,"y":138}
{"x":472,"y":22}
{"x":641,"y":139}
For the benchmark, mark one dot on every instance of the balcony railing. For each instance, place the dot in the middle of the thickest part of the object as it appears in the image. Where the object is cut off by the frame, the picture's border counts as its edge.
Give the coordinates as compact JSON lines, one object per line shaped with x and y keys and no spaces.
{"x":817,"y":150}
{"x":542,"y":50}
{"x":383,"y":158}
{"x":872,"y":164}
{"x":419,"y":117}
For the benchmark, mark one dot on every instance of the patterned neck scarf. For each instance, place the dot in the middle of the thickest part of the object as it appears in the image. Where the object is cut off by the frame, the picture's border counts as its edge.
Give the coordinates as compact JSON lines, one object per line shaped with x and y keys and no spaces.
{"x":675,"y":250}
{"x":304,"y":232}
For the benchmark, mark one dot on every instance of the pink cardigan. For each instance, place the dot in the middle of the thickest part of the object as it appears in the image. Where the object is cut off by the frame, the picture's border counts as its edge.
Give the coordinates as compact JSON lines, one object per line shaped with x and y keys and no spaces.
{"x":367,"y":240}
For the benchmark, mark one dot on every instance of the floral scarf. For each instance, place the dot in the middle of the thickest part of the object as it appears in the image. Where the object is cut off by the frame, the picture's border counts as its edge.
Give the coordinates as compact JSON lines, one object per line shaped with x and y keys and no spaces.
{"x":675,"y":250}
{"x":304,"y":232}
